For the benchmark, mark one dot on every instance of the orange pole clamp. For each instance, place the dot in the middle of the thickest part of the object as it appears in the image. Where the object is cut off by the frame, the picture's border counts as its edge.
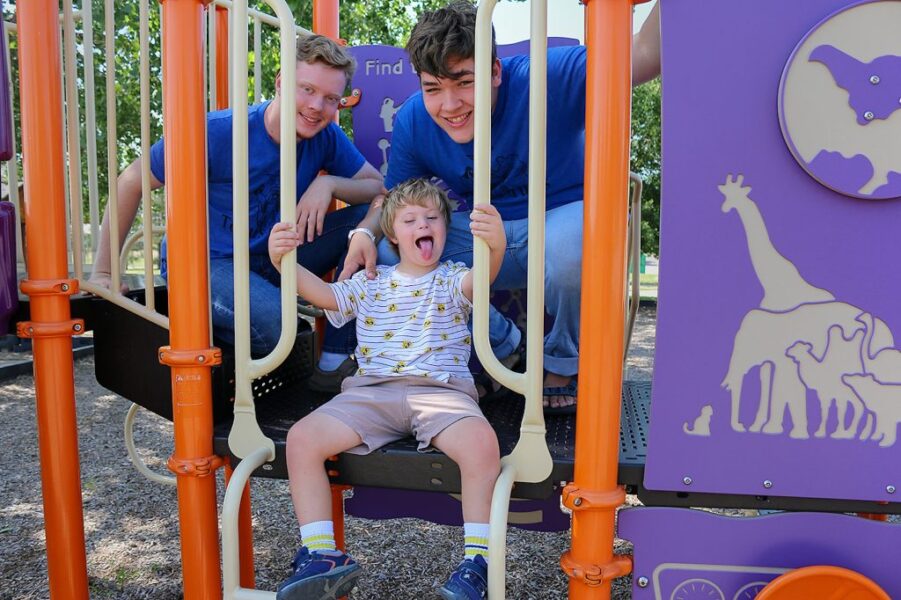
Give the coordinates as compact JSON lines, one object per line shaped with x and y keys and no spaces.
{"x":222,"y":58}
{"x":184,"y":129}
{"x":42,"y":129}
{"x":608,"y":87}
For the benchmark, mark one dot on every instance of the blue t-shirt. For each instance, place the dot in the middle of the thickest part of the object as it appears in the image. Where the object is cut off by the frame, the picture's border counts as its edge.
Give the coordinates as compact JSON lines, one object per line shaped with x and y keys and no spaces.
{"x":420,"y":148}
{"x":329,"y":149}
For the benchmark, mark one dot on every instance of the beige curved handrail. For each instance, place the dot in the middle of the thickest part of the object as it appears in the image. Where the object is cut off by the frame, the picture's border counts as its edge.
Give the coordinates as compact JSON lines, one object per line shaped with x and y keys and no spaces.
{"x":136,"y":459}
{"x":530,"y":460}
{"x":633,"y":258}
{"x":246,"y":435}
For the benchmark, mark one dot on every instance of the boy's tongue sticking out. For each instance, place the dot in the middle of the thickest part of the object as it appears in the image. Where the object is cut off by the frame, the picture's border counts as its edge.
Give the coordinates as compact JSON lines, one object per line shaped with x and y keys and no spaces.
{"x":425,"y":247}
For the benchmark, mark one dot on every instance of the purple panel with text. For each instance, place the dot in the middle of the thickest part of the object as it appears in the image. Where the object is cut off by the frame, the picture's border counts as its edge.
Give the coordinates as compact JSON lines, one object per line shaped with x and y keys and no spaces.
{"x":778,"y":361}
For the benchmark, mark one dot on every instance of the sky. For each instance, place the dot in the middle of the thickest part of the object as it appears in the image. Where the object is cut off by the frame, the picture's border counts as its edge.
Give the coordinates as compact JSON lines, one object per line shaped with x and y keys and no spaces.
{"x":565,"y":19}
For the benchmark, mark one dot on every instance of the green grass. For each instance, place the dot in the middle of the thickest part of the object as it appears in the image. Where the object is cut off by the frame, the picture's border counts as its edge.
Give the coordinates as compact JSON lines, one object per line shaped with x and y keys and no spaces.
{"x":648,"y":280}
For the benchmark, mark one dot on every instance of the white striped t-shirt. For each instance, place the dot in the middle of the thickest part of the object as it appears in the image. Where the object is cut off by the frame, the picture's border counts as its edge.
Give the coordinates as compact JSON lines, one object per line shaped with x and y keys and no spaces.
{"x":408,"y":325}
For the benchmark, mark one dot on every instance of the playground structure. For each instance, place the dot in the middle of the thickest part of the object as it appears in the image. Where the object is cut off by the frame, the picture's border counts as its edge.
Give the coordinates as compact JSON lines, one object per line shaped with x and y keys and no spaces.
{"x":820,"y":336}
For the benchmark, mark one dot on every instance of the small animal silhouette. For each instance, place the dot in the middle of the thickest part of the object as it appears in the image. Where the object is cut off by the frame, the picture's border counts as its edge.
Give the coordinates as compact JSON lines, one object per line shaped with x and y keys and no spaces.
{"x":701,"y":425}
{"x":884,"y":399}
{"x":824,"y":377}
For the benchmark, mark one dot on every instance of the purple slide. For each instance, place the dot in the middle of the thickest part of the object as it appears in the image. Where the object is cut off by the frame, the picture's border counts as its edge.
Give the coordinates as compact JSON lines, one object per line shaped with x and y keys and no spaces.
{"x":9,"y":297}
{"x":6,"y":125}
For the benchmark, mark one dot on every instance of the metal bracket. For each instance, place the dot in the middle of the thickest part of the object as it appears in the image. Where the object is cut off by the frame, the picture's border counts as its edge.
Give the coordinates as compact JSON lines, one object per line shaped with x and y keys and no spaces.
{"x":575,"y":499}
{"x":31,"y":329}
{"x":595,"y":575}
{"x":205,"y":357}
{"x":195,"y":467}
{"x":49,"y":287}
{"x":352,"y":100}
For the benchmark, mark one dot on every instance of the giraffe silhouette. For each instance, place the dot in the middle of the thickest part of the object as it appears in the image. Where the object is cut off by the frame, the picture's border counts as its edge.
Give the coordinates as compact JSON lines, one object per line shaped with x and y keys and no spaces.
{"x":790,"y":311}
{"x":783,"y":286}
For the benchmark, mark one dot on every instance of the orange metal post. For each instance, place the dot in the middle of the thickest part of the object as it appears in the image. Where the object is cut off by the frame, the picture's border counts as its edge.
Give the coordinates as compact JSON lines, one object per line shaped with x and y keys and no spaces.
{"x":245,"y":533}
{"x":189,"y":356}
{"x":222,"y":68}
{"x":594,"y":494}
{"x":325,"y":17}
{"x":325,"y":22}
{"x":51,"y":327}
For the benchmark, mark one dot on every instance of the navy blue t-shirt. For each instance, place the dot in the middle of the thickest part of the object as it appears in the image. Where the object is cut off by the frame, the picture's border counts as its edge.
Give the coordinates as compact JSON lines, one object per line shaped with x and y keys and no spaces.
{"x":329,"y":149}
{"x":420,"y":148}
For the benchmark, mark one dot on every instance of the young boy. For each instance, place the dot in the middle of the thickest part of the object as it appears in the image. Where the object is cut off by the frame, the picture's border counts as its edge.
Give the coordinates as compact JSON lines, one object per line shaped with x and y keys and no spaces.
{"x":413,"y":349}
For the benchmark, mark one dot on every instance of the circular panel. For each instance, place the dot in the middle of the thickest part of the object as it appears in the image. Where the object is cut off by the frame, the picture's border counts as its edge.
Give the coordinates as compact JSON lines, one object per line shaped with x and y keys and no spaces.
{"x":750,"y":591}
{"x":819,"y":582}
{"x":697,"y":589}
{"x":840,"y":101}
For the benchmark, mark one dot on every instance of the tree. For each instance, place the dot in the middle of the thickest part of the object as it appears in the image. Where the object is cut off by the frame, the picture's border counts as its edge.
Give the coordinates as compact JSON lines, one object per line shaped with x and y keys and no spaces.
{"x":645,"y":160}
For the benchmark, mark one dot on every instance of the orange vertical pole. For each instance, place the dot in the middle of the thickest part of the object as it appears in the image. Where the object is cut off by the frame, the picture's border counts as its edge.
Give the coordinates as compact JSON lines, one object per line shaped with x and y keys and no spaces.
{"x":594,"y":494}
{"x":325,"y":18}
{"x":48,"y":285}
{"x":222,"y":53}
{"x":325,"y":22}
{"x":189,"y":356}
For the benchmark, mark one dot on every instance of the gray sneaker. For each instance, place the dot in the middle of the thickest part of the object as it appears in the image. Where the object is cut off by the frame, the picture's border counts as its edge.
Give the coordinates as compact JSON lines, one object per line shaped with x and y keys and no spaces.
{"x":329,"y":382}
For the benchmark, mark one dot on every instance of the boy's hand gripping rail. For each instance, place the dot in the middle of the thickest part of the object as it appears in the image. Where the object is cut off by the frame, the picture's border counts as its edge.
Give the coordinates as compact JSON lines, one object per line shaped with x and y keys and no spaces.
{"x":530,"y":460}
{"x":246,"y":439}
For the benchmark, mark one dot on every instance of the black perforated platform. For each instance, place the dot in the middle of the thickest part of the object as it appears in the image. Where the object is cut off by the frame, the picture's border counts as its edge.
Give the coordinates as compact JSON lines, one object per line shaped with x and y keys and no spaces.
{"x":399,"y":465}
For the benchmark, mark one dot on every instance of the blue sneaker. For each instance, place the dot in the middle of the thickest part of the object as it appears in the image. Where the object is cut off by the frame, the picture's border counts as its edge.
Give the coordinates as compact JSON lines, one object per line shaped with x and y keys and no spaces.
{"x":468,"y":582}
{"x":319,"y":576}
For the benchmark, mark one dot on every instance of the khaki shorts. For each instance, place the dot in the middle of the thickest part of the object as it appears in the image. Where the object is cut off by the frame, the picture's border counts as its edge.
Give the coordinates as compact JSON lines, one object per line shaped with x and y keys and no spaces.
{"x":385,"y":409}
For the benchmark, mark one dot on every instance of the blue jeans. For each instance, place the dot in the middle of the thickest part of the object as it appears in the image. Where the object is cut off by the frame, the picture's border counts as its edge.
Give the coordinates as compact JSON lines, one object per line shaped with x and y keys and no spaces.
{"x":562,"y":280}
{"x":319,"y":256}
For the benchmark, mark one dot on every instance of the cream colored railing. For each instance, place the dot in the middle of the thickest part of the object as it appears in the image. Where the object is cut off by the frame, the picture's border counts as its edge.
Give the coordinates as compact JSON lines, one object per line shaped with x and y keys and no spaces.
{"x":81,"y":44}
{"x":246,"y":440}
{"x":530,"y":460}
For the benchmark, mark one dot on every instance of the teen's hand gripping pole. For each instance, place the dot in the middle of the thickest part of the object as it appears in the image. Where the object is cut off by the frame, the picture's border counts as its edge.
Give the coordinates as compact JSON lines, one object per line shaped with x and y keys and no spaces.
{"x":530,"y":460}
{"x":246,"y":440}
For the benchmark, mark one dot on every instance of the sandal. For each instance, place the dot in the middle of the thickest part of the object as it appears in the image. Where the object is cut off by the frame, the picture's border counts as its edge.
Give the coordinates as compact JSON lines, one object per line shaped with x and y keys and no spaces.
{"x":488,"y":388}
{"x":570,"y":389}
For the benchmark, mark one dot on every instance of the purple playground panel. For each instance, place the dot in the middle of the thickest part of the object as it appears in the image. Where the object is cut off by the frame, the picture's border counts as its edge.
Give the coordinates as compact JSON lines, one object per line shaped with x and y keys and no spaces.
{"x":683,"y":554}
{"x":9,"y":296}
{"x":386,"y":79}
{"x":6,"y":125}
{"x":778,"y":359}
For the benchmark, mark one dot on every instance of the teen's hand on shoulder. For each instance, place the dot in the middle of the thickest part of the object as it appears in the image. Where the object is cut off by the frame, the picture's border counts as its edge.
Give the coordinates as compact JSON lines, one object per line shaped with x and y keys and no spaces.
{"x":486,"y":223}
{"x":312,"y":208}
{"x":282,"y":239}
{"x":361,"y":253}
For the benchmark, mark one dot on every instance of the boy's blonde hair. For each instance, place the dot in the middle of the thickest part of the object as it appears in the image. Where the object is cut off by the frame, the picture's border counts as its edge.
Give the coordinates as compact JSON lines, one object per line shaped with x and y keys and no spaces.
{"x":413,"y":192}
{"x":315,"y":48}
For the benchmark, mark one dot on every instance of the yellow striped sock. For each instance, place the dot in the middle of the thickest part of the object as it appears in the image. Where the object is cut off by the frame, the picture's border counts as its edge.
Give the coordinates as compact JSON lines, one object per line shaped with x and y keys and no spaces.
{"x":319,"y":535}
{"x":475,"y":540}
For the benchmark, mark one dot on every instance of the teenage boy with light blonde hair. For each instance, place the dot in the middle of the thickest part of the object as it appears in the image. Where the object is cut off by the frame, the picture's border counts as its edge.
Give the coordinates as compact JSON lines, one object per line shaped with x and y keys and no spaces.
{"x":323,"y":71}
{"x":413,"y":351}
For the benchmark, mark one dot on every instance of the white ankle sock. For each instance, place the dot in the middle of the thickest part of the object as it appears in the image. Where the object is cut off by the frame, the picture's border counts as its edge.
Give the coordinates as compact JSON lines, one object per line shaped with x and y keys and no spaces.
{"x":318,"y":536}
{"x":475,"y":540}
